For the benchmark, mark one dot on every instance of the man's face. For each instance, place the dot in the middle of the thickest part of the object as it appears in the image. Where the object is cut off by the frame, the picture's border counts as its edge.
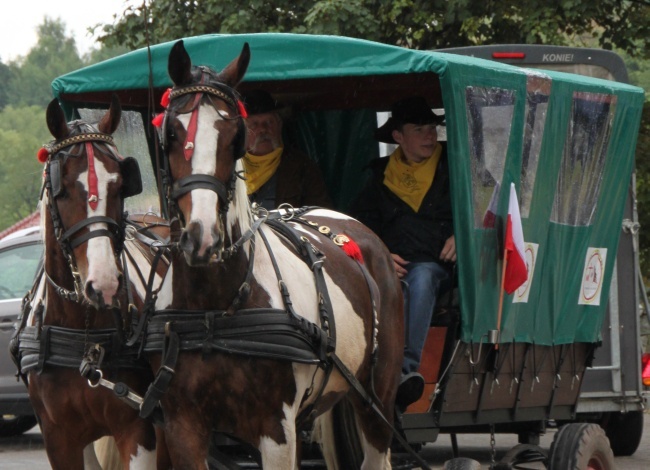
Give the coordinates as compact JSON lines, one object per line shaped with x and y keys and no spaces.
{"x":264,"y":133}
{"x":417,"y":141}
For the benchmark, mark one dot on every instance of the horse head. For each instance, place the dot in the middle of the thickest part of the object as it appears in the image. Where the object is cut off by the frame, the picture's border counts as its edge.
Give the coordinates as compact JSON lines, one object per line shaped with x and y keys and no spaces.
{"x":86,"y":181}
{"x":204,"y":135}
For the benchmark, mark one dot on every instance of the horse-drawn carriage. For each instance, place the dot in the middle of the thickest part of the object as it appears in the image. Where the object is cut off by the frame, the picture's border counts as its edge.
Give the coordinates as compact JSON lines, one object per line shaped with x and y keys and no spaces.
{"x":565,"y":141}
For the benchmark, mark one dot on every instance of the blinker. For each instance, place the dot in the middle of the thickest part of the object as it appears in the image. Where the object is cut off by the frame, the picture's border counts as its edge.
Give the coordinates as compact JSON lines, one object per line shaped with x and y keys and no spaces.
{"x":131,"y":177}
{"x":55,"y":177}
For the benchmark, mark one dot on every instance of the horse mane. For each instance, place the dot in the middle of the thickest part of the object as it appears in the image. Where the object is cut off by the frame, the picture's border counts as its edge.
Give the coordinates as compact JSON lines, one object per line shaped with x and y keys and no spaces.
{"x":240,"y":211}
{"x":42,"y":208}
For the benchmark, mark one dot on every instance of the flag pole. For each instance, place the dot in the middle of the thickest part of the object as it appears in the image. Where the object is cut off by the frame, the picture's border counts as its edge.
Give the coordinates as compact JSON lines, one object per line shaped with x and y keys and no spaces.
{"x":500,"y":310}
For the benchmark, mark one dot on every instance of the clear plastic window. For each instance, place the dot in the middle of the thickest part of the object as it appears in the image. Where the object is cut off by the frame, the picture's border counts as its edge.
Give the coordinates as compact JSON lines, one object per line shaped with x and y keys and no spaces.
{"x":131,"y":142}
{"x":583,"y":161}
{"x":489,"y":116}
{"x":538,"y":90}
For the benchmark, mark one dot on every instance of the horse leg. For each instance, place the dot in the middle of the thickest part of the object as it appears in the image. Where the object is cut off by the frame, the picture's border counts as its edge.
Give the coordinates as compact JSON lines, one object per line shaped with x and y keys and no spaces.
{"x":163,"y":461}
{"x":323,"y":434}
{"x":106,"y":454}
{"x":91,"y":459}
{"x":281,"y":455}
{"x":62,"y":450}
{"x":375,"y":438}
{"x":137,"y":447}
{"x":187,"y":441}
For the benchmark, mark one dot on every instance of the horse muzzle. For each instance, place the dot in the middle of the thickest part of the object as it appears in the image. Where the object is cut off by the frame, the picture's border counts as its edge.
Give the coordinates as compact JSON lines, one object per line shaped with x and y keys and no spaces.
{"x":102,"y":293}
{"x":198,"y":245}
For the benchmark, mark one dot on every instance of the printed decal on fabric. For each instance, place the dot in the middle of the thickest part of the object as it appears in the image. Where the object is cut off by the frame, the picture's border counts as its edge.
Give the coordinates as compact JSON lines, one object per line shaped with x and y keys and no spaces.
{"x":530,"y":256}
{"x":592,"y":276}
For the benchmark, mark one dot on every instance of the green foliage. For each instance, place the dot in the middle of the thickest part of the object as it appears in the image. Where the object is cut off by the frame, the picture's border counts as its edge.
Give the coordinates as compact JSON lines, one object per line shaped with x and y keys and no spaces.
{"x":53,"y":55}
{"x":643,"y":190}
{"x":22,"y":132}
{"x":419,"y":24}
{"x":5,"y":77}
{"x":23,"y":98}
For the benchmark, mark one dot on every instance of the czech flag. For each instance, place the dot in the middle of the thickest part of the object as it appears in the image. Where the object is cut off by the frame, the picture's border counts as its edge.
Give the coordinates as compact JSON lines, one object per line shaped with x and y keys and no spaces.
{"x":516,"y":273}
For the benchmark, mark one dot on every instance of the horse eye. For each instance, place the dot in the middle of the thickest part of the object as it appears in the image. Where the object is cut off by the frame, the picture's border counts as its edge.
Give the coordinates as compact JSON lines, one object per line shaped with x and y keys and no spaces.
{"x":171,"y":133}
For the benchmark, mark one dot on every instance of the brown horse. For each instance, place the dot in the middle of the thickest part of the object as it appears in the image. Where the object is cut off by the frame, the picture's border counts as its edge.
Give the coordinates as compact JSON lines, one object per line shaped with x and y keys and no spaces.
{"x":79,"y":298}
{"x":266,"y":317}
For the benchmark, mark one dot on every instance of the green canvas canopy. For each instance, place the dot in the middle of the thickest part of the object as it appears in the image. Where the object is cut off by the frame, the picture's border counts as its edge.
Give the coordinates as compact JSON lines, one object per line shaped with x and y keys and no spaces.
{"x":566,"y":142}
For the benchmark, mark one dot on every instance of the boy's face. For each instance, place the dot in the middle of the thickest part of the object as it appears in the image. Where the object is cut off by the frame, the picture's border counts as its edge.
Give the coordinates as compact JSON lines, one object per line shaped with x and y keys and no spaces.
{"x":417,"y":141}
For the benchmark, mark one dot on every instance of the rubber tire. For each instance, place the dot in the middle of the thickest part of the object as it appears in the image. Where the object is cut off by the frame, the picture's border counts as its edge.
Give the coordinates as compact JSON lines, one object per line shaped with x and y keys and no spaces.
{"x":462,"y":463}
{"x":349,"y":450}
{"x":11,"y":425}
{"x":581,"y":446}
{"x":624,"y":431}
{"x":519,"y":453}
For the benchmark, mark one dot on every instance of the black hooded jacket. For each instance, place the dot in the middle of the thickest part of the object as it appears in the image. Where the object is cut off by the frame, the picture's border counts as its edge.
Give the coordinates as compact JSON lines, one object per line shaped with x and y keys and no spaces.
{"x":415,"y":236}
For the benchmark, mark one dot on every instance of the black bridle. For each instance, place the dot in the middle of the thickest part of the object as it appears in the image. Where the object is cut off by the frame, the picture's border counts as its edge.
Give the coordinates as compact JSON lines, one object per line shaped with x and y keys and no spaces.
{"x":224,"y":190}
{"x":70,"y":238}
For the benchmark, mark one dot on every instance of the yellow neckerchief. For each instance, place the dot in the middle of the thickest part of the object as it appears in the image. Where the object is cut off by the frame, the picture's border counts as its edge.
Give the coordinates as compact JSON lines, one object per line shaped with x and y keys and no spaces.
{"x":411,"y":181}
{"x":259,"y":168}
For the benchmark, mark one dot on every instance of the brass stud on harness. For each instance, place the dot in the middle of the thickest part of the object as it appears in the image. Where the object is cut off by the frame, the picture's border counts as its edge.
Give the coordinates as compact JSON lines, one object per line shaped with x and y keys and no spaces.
{"x":340,"y":240}
{"x":324,"y":229}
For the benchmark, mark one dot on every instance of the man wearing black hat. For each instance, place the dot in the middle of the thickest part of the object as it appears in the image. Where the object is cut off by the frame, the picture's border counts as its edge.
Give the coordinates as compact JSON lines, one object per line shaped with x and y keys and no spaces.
{"x":275,"y":174}
{"x":407,"y":203}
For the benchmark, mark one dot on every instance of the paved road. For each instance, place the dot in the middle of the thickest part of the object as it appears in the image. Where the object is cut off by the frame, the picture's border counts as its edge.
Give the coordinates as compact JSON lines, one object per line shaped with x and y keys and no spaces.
{"x":27,"y":452}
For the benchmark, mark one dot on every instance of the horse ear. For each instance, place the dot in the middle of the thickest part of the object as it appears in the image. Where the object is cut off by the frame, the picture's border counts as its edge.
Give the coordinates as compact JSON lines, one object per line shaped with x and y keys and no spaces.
{"x":55,"y":119}
{"x":180,"y":65}
{"x":233,"y":73}
{"x":111,"y":119}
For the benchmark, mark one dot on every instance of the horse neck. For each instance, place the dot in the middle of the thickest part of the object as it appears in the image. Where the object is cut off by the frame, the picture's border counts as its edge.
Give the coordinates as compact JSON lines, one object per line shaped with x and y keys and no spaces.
{"x":240,"y":213}
{"x":212,"y":287}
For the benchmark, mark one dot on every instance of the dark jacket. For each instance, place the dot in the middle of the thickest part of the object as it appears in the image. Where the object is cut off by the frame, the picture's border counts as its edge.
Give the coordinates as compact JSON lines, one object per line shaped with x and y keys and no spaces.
{"x":415,"y":236}
{"x":297,"y":181}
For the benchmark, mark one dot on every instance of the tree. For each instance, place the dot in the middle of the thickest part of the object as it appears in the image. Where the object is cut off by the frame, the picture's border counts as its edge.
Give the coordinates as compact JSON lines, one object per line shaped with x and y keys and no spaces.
{"x":643,"y":190}
{"x":55,"y":54}
{"x":22,"y":132}
{"x":418,"y":24}
{"x":5,"y":77}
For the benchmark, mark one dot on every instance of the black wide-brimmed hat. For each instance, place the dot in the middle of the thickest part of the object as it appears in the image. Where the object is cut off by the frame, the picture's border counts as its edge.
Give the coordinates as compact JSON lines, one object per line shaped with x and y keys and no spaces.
{"x":260,"y":102}
{"x":414,"y":110}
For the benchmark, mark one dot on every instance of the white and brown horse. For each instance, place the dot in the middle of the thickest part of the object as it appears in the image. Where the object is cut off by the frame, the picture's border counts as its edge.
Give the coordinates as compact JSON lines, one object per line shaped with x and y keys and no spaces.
{"x":263,"y":336}
{"x":79,"y":298}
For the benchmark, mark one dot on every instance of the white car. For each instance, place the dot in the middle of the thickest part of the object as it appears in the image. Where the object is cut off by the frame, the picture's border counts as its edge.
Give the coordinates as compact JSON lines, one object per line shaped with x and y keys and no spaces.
{"x":20,"y":258}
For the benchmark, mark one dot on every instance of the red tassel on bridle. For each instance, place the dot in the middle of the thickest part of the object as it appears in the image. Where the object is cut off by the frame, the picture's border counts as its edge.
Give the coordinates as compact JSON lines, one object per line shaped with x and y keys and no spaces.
{"x":43,"y":154}
{"x":242,"y":109}
{"x":158,"y":120}
{"x":164,"y":101}
{"x":352,"y":249}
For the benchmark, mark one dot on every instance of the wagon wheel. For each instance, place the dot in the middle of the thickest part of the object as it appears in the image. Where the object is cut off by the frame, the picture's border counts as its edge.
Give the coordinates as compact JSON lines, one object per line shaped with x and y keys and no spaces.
{"x":581,"y":446}
{"x":462,"y":463}
{"x":524,"y":454}
{"x":624,"y":431}
{"x":12,"y":425}
{"x":348,"y":443}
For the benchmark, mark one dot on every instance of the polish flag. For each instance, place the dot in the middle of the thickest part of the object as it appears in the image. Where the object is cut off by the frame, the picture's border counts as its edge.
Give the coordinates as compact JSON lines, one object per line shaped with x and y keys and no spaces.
{"x":516,"y":273}
{"x":490,"y":216}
